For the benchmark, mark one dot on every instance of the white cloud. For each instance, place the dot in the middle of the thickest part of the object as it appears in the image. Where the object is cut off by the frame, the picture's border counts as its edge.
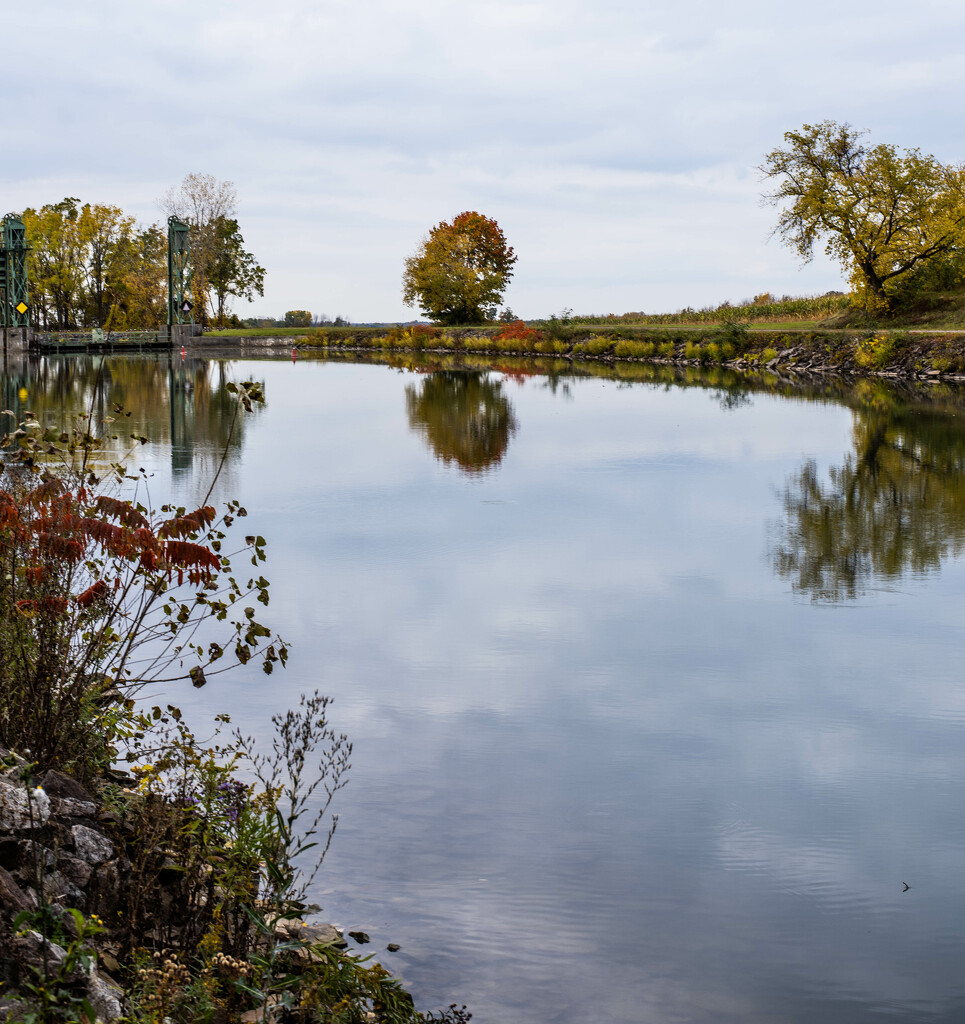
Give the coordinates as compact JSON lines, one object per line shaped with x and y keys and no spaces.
{"x":614,"y":141}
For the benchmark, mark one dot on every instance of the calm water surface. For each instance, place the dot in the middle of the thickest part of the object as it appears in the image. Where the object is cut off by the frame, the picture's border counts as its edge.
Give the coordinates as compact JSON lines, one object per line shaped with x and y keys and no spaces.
{"x":656,"y":691}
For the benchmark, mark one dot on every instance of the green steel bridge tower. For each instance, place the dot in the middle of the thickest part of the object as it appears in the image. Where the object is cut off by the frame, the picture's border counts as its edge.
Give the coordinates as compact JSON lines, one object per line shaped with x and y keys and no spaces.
{"x":179,"y":273}
{"x":14,"y":303}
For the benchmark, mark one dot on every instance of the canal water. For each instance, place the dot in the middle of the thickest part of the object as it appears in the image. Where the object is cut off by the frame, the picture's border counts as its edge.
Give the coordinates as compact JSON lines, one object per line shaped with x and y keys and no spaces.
{"x":655,"y":686}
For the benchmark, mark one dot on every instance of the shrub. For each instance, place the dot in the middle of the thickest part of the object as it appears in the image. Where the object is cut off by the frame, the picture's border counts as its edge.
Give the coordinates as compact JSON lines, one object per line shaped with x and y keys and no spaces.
{"x":516,"y":335}
{"x":95,"y":583}
{"x":597,"y":345}
{"x":876,"y":350}
{"x":634,"y":349}
{"x":735,"y":334}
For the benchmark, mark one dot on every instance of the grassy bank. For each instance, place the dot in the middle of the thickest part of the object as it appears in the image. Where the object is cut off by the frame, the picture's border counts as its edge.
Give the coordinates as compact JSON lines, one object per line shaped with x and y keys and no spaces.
{"x":844,"y":351}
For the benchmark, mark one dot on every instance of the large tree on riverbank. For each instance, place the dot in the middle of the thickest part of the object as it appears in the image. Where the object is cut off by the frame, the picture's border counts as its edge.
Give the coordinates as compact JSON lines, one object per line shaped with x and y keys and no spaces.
{"x":881,"y":213}
{"x":460,"y":271}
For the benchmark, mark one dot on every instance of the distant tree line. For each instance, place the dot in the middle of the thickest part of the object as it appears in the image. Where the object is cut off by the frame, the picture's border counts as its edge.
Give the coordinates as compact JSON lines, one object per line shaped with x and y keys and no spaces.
{"x":92,"y":265}
{"x":295,"y":318}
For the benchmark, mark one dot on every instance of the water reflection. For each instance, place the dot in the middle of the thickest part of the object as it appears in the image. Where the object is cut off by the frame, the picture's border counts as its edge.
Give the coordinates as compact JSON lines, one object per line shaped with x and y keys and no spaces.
{"x":464,"y":417}
{"x":181,"y":405}
{"x":894,"y":508}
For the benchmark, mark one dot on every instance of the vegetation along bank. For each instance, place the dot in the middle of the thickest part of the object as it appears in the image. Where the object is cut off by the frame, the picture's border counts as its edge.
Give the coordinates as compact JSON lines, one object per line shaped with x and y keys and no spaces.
{"x":847,"y":352}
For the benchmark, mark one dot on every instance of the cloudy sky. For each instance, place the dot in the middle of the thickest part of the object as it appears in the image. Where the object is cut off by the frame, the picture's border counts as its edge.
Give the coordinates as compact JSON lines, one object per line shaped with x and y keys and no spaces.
{"x":615,"y":141}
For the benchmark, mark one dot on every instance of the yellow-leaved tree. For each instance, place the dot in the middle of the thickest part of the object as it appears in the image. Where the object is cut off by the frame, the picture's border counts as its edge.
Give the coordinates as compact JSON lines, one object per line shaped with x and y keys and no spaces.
{"x":883,"y":214}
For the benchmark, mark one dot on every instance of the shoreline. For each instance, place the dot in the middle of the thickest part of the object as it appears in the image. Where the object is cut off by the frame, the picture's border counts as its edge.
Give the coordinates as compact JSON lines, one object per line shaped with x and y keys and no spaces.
{"x":895,"y":355}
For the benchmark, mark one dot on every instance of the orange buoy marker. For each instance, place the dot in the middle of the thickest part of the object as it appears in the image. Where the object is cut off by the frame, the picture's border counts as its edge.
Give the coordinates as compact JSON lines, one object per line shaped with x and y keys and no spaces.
{"x":182,"y":352}
{"x":293,"y":355}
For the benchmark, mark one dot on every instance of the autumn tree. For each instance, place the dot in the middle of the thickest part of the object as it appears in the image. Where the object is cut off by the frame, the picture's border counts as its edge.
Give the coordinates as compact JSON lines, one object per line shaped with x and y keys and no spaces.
{"x":56,"y":265}
{"x":460,"y":271}
{"x":92,"y":266}
{"x":138,"y":279}
{"x":104,"y":232}
{"x":881,"y":213}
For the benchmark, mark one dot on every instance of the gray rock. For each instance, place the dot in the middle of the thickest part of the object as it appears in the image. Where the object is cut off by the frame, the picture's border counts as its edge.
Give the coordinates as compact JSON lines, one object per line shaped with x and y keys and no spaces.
{"x":64,"y":807}
{"x":105,"y":997}
{"x":91,"y":846}
{"x":12,"y":1011}
{"x":322,"y":935}
{"x":33,"y":949}
{"x":18,"y":812}
{"x":59,"y":889}
{"x":77,"y":870}
{"x":11,"y":897}
{"x":65,"y":788}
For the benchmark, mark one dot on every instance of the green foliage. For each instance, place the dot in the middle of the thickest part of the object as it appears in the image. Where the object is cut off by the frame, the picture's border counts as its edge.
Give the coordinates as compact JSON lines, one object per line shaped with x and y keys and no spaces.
{"x":220,"y":266}
{"x":92,"y":265}
{"x":460,"y":271}
{"x":232,"y":271}
{"x":877,"y":350}
{"x":100,"y":595}
{"x":880,"y":213}
{"x":734,"y":334}
{"x":55,"y":987}
{"x":634,"y":349}
{"x":598,"y":345}
{"x":298,"y":318}
{"x":763,"y":308}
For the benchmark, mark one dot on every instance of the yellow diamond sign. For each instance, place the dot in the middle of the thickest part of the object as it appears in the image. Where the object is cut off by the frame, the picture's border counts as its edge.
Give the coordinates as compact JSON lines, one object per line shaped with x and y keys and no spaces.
{"x":21,"y":308}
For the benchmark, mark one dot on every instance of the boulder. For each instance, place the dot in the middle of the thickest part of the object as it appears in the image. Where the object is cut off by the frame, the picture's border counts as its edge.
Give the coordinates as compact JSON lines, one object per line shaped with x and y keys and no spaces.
{"x":12,"y":899}
{"x":91,"y":846}
{"x":105,"y":997}
{"x":18,"y":811}
{"x":64,"y":787}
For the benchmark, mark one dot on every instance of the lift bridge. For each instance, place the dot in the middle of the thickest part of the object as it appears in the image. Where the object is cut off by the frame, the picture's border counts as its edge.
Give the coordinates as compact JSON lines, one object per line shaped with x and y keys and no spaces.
{"x":15,"y":327}
{"x":14,"y":308}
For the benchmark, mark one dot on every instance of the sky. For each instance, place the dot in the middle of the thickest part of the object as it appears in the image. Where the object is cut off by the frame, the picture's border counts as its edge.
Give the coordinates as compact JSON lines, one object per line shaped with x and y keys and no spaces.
{"x":615,"y":141}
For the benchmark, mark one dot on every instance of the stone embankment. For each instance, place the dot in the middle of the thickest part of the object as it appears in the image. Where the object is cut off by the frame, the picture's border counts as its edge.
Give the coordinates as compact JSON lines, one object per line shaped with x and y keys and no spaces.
{"x":56,"y":851}
{"x":61,"y":849}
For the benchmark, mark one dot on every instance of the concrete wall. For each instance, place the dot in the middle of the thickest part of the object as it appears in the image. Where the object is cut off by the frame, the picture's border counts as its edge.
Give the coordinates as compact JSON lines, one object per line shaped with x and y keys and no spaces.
{"x":16,"y":340}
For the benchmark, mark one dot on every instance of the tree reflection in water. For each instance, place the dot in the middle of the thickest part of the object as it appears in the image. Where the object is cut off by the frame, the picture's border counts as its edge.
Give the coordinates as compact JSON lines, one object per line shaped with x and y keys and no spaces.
{"x":182,"y":403}
{"x":464,"y":417}
{"x":896,"y":507}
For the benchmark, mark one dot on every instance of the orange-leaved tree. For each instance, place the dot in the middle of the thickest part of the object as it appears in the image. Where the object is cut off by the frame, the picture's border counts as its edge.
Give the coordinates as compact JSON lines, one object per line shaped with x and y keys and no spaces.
{"x":460,"y":271}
